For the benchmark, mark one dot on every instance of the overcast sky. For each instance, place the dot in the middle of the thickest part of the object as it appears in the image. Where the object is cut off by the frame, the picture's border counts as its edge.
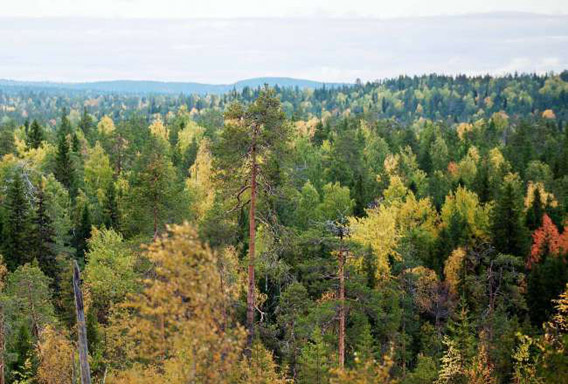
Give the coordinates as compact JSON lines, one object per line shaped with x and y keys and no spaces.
{"x":327,"y":40}
{"x":272,"y":8}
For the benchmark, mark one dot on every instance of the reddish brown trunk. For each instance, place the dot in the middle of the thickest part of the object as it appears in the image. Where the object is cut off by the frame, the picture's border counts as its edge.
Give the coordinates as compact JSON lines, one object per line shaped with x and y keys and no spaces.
{"x":341,"y":308}
{"x":252,"y":240}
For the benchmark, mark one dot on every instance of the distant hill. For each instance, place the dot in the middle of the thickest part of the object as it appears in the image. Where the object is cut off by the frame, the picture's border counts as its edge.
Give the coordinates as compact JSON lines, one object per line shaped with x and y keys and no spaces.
{"x":158,"y":87}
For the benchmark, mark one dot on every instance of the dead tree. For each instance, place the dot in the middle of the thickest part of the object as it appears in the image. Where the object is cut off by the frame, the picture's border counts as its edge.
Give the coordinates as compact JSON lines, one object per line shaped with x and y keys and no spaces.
{"x":81,"y":327}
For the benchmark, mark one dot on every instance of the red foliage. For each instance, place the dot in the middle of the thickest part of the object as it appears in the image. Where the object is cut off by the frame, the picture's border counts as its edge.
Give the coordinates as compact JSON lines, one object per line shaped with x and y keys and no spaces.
{"x":548,"y":241}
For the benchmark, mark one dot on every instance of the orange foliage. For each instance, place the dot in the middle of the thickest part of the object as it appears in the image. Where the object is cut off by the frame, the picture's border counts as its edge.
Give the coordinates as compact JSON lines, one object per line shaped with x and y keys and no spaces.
{"x":548,"y":240}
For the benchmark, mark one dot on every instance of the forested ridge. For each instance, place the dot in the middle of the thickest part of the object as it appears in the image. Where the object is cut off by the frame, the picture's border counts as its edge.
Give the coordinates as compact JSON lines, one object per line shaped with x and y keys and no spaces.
{"x":411,"y":230}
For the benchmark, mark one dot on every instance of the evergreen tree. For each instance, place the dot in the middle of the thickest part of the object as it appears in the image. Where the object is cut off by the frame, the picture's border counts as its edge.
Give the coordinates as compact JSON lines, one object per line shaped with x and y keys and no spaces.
{"x":110,"y":208}
{"x":535,"y":211}
{"x":64,"y":172}
{"x":17,"y":226}
{"x":35,"y":135}
{"x":250,"y":150}
{"x":509,"y":231}
{"x":82,"y":234}
{"x":43,"y":237}
{"x":315,"y":360}
{"x":86,"y":124}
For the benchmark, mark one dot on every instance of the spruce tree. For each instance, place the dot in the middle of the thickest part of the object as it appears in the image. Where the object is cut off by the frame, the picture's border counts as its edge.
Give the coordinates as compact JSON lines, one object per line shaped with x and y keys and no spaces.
{"x":17,"y":224}
{"x":82,"y":234}
{"x":535,"y":212}
{"x":315,"y":361}
{"x":63,"y":164}
{"x":35,"y":135}
{"x":509,"y":231}
{"x":43,"y":240}
{"x":86,"y":125}
{"x":110,"y":208}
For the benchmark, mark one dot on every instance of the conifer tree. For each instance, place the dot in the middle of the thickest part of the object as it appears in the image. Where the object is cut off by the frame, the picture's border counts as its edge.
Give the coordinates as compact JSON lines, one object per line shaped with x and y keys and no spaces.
{"x":35,"y":135}
{"x":43,"y":236}
{"x":251,"y":144}
{"x":17,"y":226}
{"x":509,"y":231}
{"x":64,"y":170}
{"x":315,"y":360}
{"x":82,"y":234}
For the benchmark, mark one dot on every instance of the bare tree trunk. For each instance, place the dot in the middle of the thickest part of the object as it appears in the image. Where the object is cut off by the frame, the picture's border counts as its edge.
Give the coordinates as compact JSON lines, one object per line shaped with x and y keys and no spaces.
{"x":252,"y":241}
{"x":341,"y":307}
{"x":81,"y":327}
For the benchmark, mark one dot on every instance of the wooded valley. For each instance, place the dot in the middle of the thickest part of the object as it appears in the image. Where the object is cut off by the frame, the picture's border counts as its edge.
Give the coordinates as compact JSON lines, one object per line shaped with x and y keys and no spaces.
{"x":411,"y":230}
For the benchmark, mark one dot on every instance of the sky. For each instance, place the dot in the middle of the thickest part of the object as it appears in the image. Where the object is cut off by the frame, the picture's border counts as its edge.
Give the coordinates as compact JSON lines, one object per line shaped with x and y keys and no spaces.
{"x":222,"y":42}
{"x":272,"y":8}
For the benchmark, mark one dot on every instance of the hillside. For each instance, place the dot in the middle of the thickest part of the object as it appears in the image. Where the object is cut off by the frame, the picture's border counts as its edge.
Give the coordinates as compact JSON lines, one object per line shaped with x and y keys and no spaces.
{"x":158,"y":87}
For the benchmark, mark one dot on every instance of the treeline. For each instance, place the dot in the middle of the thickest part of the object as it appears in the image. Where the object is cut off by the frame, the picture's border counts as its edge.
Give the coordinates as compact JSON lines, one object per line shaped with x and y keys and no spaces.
{"x":434,"y":97}
{"x":323,"y":243}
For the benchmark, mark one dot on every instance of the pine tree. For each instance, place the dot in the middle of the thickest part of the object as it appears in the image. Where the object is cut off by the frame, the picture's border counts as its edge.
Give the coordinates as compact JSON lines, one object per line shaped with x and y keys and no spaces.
{"x":17,"y":226}
{"x":250,"y":148}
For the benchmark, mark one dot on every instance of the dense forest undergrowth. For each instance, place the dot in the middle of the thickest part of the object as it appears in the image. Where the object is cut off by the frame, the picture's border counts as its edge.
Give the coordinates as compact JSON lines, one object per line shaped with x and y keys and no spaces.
{"x":409,"y":231}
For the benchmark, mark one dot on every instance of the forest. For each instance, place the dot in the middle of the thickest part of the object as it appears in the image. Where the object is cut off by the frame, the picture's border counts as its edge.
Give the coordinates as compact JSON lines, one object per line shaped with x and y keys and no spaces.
{"x":411,"y":230}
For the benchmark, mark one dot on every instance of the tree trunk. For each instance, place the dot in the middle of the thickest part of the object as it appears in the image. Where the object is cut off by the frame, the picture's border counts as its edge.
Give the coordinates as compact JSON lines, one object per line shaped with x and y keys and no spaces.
{"x":252,"y":241}
{"x":341,"y":307}
{"x":81,"y":327}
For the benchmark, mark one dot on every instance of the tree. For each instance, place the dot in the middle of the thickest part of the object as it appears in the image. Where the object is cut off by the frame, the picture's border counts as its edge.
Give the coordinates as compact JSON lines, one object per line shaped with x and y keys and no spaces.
{"x":82,"y":340}
{"x":17,"y":225}
{"x":29,"y":294}
{"x":154,"y":190}
{"x":86,"y":125}
{"x":548,"y":272}
{"x":43,"y":236}
{"x":35,"y":136}
{"x":64,"y":170}
{"x":452,"y":369}
{"x":260,"y":368}
{"x":509,"y":231}
{"x":315,"y":360}
{"x":56,"y":354}
{"x":249,"y":148}
{"x":109,"y":274}
{"x":173,"y":330}
{"x":82,"y":234}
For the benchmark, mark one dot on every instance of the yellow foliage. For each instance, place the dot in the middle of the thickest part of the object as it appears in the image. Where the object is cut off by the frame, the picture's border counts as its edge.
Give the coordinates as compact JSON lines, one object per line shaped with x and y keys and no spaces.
{"x":106,"y":126}
{"x":56,"y":354}
{"x":463,"y":129}
{"x":260,"y":369}
{"x":365,"y":372}
{"x":378,"y":230}
{"x":178,"y":329}
{"x":158,"y":129}
{"x":546,"y":198}
{"x":453,"y":268}
{"x":200,"y":181}
{"x":188,"y":133}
